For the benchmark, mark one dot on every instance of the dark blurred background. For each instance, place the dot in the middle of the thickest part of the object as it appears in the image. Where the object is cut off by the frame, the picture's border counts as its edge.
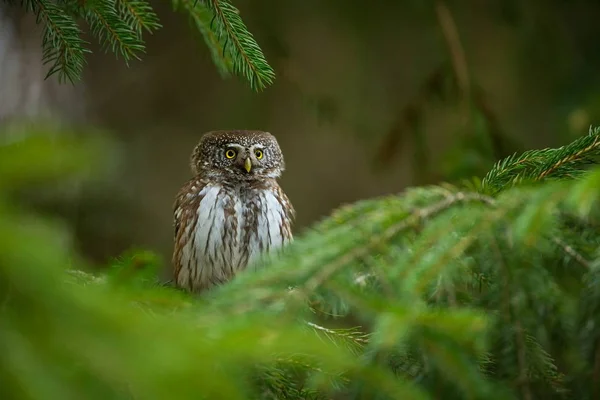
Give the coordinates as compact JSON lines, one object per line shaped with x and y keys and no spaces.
{"x":370,"y":97}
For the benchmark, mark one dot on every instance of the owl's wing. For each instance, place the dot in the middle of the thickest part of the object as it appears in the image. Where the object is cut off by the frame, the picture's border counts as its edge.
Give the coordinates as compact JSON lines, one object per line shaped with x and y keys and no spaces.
{"x":186,"y":203}
{"x":177,"y":216}
{"x":290,"y":214}
{"x":185,"y":212}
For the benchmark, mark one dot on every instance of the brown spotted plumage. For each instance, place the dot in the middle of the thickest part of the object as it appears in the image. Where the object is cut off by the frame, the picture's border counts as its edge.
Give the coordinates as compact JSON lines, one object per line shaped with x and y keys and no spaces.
{"x":232,"y":211}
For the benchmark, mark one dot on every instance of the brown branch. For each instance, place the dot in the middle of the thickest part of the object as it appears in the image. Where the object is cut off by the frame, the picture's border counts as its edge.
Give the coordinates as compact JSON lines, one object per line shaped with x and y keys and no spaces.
{"x":457,"y":52}
{"x":65,"y":47}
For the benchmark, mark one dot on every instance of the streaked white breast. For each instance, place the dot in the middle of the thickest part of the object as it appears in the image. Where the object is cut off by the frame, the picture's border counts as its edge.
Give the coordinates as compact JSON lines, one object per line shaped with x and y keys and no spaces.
{"x":233,"y":230}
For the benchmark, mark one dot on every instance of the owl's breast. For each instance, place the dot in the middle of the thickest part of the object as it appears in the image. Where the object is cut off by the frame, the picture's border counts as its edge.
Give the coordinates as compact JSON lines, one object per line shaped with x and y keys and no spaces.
{"x":232,"y":230}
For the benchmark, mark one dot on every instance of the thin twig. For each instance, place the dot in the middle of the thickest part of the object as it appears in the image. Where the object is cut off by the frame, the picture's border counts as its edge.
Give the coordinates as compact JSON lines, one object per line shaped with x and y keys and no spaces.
{"x":572,"y":157}
{"x":572,"y":252}
{"x":358,"y":339}
{"x":457,"y":52}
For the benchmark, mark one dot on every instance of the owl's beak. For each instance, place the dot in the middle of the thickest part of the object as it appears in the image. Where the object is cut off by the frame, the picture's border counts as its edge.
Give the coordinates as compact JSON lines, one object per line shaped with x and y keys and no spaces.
{"x":248,"y":164}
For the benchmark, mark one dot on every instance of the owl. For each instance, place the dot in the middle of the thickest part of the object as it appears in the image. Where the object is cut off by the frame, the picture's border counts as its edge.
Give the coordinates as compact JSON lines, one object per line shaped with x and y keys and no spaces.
{"x":232,"y":211}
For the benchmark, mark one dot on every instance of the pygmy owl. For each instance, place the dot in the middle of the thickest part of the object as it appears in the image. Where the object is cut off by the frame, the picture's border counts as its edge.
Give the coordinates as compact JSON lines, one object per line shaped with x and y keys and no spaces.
{"x":232,"y":211}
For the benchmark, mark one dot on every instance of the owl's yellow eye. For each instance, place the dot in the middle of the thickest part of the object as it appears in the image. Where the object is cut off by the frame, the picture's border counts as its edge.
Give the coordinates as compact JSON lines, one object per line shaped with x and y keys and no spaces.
{"x":258,"y":153}
{"x":230,"y":153}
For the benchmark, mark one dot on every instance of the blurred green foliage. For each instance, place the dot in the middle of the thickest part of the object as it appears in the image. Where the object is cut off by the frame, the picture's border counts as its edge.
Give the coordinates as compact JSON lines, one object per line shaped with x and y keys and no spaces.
{"x":482,"y":291}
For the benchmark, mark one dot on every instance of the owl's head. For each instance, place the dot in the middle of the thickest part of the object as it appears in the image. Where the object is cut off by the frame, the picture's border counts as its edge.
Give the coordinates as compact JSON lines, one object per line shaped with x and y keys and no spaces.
{"x":238,"y":155}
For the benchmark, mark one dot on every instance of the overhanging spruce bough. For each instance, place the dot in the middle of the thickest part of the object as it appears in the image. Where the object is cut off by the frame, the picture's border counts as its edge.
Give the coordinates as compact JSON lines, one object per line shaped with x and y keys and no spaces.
{"x":120,"y":26}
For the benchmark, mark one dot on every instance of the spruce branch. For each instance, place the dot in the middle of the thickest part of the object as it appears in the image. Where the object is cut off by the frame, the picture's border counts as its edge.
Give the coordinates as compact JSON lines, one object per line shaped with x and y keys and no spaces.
{"x":138,"y":15}
{"x":415,"y":219}
{"x":112,"y":30}
{"x":542,"y":366}
{"x":202,"y":18}
{"x":246,"y":55}
{"x":233,"y":48}
{"x":62,"y":45}
{"x":119,"y":26}
{"x":352,"y":338}
{"x":566,"y":162}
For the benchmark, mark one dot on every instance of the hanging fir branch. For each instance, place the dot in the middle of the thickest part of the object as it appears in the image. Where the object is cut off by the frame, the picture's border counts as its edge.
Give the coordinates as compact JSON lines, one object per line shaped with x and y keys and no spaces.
{"x":63,"y":48}
{"x":112,"y":30}
{"x":119,"y":26}
{"x":238,"y":42}
{"x":232,"y":46}
{"x":202,"y":17}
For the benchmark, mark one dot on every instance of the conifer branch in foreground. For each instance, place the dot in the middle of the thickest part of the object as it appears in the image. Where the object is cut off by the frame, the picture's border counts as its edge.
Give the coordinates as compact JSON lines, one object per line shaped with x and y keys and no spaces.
{"x":462,"y":295}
